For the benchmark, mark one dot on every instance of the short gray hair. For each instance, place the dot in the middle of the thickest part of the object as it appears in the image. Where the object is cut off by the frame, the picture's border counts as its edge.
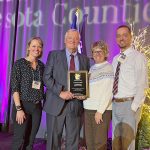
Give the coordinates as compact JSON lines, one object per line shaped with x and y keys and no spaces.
{"x":73,"y":30}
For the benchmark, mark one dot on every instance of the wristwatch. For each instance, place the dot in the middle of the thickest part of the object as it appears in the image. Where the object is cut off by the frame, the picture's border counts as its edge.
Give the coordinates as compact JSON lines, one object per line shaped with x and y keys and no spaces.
{"x":18,"y":108}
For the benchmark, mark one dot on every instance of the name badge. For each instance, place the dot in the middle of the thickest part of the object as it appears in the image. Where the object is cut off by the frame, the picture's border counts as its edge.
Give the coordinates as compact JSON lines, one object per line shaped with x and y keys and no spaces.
{"x":36,"y":85}
{"x":122,"y":58}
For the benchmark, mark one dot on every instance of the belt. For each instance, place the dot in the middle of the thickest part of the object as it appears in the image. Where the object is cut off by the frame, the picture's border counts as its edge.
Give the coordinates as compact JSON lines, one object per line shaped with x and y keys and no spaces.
{"x":33,"y":102}
{"x":123,"y":99}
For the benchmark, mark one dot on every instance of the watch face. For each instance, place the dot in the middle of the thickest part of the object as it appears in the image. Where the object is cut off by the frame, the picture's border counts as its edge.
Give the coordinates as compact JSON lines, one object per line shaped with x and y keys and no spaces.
{"x":18,"y":107}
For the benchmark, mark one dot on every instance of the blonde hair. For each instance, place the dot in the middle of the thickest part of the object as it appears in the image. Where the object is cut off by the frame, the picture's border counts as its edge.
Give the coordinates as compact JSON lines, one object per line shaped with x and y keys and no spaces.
{"x":40,"y":42}
{"x":100,"y":45}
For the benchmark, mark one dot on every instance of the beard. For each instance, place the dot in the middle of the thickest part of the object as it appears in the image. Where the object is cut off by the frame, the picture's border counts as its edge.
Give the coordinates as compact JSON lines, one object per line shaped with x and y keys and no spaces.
{"x":123,"y":45}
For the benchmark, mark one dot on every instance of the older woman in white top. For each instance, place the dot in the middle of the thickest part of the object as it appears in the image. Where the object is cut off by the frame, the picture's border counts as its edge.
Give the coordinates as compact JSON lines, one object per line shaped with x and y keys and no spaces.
{"x":98,"y":106}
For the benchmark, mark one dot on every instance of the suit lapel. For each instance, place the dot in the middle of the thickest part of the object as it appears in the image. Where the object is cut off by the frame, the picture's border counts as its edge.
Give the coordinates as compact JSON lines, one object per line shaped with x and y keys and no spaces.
{"x":64,"y":60}
{"x":65,"y":64}
{"x":80,"y":62}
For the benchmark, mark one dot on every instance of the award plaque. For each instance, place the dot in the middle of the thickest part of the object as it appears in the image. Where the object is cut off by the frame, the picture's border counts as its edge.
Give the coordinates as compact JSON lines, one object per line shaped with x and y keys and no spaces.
{"x":78,"y":83}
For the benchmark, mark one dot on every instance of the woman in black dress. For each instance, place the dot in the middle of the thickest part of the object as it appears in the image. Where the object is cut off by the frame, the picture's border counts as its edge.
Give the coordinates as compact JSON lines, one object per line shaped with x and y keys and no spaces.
{"x":28,"y":92}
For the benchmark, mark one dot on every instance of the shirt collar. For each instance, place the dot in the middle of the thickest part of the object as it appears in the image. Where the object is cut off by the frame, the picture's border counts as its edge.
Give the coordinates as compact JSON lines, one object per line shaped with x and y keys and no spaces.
{"x":100,"y":64}
{"x":127,"y":51}
{"x":68,"y":53}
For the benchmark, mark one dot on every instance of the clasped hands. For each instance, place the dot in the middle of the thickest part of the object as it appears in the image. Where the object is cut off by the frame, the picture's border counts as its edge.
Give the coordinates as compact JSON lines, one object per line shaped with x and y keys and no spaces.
{"x":67,"y":95}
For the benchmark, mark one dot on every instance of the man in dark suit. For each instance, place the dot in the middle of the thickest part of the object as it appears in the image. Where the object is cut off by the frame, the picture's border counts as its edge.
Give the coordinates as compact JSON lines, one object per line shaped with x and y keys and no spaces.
{"x":61,"y":106}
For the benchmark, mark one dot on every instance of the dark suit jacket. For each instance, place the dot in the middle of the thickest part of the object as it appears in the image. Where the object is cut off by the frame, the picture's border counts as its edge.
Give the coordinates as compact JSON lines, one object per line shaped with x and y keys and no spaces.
{"x":55,"y":79}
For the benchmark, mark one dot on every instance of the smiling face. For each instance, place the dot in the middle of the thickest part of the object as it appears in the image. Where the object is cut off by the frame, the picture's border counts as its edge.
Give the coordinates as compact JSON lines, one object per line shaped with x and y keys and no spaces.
{"x":99,"y":51}
{"x":72,"y":39}
{"x":35,"y":48}
{"x":123,"y":38}
{"x":98,"y":55}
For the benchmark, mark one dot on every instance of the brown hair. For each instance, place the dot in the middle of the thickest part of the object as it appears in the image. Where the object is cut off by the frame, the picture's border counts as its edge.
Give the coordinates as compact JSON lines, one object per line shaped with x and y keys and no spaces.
{"x":29,"y":42}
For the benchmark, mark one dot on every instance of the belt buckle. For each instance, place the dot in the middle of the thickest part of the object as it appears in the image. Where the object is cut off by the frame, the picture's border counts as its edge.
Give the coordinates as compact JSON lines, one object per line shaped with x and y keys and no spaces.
{"x":124,"y":100}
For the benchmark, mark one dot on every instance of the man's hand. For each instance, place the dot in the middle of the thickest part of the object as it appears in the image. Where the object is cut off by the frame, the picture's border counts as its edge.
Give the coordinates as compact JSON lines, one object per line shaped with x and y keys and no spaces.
{"x":98,"y":118}
{"x":20,"y":117}
{"x":66,"y":95}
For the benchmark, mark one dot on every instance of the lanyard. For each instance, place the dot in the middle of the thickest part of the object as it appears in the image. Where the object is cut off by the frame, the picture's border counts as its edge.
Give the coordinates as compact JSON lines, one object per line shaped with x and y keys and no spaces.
{"x":38,"y":73}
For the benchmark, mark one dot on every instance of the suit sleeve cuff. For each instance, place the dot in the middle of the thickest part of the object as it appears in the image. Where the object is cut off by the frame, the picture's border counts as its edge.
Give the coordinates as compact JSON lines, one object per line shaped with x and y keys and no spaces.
{"x":58,"y":91}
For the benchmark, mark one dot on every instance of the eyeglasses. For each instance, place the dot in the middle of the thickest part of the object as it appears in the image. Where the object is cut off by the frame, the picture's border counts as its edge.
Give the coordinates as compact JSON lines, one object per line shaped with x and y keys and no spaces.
{"x":97,"y":52}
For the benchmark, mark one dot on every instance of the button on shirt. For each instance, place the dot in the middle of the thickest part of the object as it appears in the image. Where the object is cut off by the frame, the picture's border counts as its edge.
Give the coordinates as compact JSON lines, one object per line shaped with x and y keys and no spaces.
{"x":133,"y":77}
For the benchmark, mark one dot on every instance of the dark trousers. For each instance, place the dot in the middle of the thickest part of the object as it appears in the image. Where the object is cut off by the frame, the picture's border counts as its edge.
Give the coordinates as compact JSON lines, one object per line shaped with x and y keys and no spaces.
{"x":25,"y":133}
{"x":96,"y":134}
{"x":55,"y":124}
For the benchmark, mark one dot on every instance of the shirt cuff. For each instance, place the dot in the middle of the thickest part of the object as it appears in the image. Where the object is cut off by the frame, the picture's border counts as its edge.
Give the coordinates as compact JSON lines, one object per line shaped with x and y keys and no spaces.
{"x":14,"y":90}
{"x":100,"y":111}
{"x":134,"y":107}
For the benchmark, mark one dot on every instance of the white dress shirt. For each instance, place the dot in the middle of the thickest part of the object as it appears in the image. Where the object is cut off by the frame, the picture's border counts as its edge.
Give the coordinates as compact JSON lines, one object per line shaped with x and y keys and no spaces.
{"x":100,"y":87}
{"x":132,"y":77}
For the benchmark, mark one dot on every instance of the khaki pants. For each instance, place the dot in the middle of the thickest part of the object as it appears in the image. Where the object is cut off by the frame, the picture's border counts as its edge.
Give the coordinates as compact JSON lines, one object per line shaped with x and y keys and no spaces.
{"x":125,"y":123}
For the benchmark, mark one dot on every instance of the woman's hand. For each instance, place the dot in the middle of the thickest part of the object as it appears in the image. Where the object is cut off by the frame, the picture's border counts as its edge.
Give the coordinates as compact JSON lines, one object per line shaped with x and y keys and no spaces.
{"x":98,"y":118}
{"x":20,"y":117}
